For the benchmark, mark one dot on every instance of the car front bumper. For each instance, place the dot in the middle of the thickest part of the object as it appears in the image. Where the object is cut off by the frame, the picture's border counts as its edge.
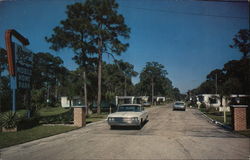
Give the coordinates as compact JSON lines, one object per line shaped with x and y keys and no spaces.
{"x":123,"y":122}
{"x":179,"y":107}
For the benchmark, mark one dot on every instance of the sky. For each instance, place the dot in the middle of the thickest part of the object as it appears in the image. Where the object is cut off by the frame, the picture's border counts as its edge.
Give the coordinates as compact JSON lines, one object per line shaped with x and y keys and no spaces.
{"x":190,"y":38}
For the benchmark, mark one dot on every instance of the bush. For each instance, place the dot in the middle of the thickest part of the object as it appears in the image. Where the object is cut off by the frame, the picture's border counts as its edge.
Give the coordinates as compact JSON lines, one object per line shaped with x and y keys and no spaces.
{"x":9,"y":120}
{"x":26,"y":123}
{"x":211,"y":110}
{"x":66,"y":117}
{"x":203,"y":105}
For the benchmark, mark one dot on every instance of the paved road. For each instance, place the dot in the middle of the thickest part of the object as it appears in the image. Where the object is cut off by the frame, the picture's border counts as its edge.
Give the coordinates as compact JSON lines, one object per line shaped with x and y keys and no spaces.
{"x":167,"y":135}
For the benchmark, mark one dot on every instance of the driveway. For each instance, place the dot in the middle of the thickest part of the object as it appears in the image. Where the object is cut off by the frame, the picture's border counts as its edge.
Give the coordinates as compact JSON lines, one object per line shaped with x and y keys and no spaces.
{"x":167,"y":135}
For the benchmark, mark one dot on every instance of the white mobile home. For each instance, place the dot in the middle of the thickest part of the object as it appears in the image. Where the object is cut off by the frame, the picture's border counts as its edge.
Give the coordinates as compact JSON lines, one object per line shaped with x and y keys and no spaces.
{"x":214,"y":100}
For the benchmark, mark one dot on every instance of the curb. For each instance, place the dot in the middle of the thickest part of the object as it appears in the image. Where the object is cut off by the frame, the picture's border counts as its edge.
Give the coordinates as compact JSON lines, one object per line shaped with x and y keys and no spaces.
{"x":216,"y":122}
{"x":93,"y":123}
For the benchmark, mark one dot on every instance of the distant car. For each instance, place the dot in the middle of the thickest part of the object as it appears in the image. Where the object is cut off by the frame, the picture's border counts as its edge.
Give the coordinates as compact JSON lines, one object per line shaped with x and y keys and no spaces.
{"x":179,"y":106}
{"x":146,"y":104}
{"x":128,"y":115}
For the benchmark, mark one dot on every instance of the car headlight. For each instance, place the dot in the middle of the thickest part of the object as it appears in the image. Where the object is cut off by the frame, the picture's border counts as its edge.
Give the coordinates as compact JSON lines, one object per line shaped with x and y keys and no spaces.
{"x":134,"y":118}
{"x":111,"y":119}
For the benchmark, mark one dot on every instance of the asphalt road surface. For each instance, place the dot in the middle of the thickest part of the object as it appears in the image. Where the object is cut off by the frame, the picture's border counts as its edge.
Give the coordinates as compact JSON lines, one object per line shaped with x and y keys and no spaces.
{"x":167,"y":135}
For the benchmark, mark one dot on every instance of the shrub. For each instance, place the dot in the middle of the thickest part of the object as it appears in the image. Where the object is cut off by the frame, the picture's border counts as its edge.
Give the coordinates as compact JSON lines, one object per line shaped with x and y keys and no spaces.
{"x":9,"y":120}
{"x":26,"y":123}
{"x":66,"y":117}
{"x":211,"y":109}
{"x":203,"y":105}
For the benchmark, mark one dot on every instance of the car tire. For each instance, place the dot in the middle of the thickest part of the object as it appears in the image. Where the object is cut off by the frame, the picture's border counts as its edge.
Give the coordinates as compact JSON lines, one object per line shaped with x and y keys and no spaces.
{"x":112,"y":127}
{"x":141,"y":124}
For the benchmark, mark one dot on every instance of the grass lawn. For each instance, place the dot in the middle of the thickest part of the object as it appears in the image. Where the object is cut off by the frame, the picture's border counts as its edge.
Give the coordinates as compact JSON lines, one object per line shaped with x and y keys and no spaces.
{"x":218,"y":116}
{"x":13,"y":138}
{"x":245,"y":133}
{"x":96,"y":117}
{"x":48,"y":111}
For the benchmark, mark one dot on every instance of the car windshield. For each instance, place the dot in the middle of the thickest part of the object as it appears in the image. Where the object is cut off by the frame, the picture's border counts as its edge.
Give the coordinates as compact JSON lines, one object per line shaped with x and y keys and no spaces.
{"x":129,"y":109}
{"x":178,"y":103}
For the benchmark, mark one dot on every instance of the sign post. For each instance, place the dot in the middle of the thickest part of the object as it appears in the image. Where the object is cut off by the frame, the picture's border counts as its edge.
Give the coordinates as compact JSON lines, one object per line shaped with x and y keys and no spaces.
{"x":19,"y":63}
{"x":13,"y":88}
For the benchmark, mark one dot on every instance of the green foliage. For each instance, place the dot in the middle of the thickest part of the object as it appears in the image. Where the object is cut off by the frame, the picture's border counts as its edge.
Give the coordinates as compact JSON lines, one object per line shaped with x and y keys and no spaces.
{"x":4,"y":84}
{"x":3,"y":60}
{"x":211,"y":110}
{"x":242,"y":41}
{"x":26,"y":123}
{"x":66,"y":117}
{"x":37,"y":98}
{"x":117,"y":79}
{"x":9,"y":120}
{"x":203,"y":105}
{"x":234,"y":78}
{"x":5,"y":93}
{"x":91,"y":29}
{"x":154,"y":74}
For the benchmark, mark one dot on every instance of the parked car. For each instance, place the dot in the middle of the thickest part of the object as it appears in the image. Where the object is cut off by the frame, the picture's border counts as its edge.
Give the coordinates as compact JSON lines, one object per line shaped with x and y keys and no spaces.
{"x":146,"y":104}
{"x":105,"y":107}
{"x":128,"y":115}
{"x":179,"y":106}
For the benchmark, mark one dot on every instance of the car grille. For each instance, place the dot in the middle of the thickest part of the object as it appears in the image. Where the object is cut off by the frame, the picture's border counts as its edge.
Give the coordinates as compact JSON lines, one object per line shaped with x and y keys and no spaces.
{"x":120,"y":119}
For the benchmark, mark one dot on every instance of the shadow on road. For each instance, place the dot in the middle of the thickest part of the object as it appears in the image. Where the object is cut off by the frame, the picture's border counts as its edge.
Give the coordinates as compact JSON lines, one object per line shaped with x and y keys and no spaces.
{"x":215,"y":134}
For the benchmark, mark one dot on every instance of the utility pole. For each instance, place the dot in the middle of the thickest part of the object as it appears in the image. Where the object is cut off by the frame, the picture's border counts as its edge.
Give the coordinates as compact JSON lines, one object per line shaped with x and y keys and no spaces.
{"x":216,"y":85}
{"x":152,"y":91}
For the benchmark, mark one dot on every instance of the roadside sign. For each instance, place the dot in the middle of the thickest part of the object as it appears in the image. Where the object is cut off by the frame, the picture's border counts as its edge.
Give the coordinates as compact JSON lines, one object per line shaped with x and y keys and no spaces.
{"x":23,"y":66}
{"x":19,"y":63}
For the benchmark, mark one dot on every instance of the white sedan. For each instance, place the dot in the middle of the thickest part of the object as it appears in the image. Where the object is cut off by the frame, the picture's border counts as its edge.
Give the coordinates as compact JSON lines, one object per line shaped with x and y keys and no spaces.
{"x":179,"y":106}
{"x":128,"y":115}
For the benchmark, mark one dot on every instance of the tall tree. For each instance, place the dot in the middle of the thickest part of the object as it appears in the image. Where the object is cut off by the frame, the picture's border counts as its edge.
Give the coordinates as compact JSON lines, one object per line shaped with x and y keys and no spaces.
{"x":128,"y":71}
{"x":152,"y":72}
{"x":48,"y":73}
{"x":92,"y":27}
{"x":242,"y":41}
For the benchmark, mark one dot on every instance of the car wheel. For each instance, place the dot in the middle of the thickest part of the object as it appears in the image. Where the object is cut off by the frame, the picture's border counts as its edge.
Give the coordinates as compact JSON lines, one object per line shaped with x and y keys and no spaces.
{"x":139,"y":126}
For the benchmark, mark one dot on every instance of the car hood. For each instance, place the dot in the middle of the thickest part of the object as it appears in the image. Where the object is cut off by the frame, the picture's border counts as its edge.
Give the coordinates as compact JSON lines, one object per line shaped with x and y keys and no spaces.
{"x":125,"y":114}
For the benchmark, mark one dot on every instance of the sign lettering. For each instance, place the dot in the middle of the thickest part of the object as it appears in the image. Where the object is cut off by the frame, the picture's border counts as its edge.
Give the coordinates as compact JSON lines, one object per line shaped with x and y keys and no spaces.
{"x":23,"y":67}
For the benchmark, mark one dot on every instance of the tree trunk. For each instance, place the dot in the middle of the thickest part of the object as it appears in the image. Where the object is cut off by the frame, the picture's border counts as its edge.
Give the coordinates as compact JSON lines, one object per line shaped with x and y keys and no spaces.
{"x":99,"y":81}
{"x":47,"y":100}
{"x":56,"y":91}
{"x":125,"y":87}
{"x":99,"y":96}
{"x":152,"y":92}
{"x":85,"y":91}
{"x":0,"y":90}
